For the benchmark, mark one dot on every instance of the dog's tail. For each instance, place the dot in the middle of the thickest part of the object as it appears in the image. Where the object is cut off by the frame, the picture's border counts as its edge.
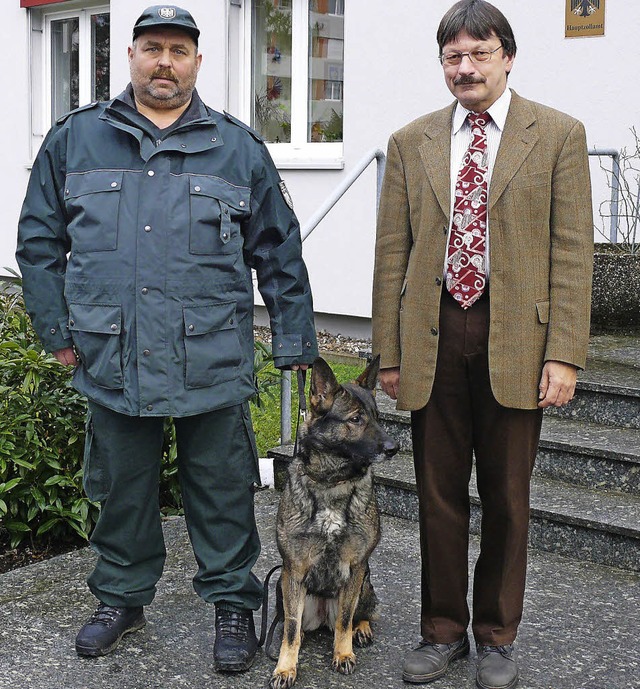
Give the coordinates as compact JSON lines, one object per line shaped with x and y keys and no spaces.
{"x":266,"y":637}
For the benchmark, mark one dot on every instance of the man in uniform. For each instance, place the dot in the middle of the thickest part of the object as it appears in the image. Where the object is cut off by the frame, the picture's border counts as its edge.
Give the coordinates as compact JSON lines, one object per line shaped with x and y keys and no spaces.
{"x":481,"y":315}
{"x":142,"y":221}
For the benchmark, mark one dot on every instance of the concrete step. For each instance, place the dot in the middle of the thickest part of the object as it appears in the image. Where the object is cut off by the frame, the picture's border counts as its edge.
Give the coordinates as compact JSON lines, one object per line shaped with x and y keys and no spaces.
{"x":607,"y":392}
{"x":583,"y":453}
{"x":588,"y":454}
{"x":600,"y":526}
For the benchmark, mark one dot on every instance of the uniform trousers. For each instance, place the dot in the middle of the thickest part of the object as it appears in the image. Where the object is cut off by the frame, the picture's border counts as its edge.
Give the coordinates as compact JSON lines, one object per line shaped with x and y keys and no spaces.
{"x":463,"y":419}
{"x":217,"y":471}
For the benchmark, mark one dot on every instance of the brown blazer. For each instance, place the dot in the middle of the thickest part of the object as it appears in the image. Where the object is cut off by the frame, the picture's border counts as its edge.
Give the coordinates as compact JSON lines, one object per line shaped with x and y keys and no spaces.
{"x":541,"y":251}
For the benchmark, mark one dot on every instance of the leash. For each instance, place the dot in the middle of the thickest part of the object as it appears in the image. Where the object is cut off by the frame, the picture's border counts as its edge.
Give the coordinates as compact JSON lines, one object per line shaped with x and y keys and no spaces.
{"x":302,"y":405}
{"x":266,"y":637}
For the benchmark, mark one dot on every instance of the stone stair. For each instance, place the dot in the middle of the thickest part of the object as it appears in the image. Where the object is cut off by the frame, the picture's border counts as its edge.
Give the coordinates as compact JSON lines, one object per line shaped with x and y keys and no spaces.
{"x":585,"y":498}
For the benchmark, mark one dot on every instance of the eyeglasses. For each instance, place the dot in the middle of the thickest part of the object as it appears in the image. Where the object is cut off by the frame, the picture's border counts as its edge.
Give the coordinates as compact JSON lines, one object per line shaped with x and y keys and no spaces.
{"x":454,"y":59}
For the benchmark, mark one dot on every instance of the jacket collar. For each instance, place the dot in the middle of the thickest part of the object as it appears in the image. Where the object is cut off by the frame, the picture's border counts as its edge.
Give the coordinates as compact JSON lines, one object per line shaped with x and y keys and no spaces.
{"x":518,"y":138}
{"x":196,"y":132}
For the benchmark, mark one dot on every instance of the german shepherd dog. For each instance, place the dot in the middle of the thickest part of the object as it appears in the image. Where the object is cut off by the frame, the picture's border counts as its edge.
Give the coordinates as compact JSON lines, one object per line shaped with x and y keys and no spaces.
{"x":328,"y":523}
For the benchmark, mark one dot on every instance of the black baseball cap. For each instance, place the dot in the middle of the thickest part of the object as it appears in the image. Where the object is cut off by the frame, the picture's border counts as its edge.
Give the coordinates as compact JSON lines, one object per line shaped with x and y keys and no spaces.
{"x":166,"y":15}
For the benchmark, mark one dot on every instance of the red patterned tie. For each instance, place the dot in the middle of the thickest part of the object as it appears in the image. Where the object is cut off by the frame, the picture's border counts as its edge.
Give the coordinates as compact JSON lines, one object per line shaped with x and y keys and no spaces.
{"x":465,"y":270}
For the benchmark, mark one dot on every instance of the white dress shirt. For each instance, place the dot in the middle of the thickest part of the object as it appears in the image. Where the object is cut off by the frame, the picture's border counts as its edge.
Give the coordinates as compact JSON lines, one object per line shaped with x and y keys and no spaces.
{"x":461,"y":140}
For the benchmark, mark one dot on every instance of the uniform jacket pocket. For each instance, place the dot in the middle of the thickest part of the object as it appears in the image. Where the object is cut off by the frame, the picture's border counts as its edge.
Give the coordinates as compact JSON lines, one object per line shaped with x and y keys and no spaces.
{"x":96,"y":329}
{"x":212,"y":350}
{"x":93,"y":479}
{"x":216,"y":208}
{"x":92,"y":201}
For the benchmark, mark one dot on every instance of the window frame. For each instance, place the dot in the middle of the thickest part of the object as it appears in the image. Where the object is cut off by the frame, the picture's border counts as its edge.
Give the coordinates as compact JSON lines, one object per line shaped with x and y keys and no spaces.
{"x":299,"y":153}
{"x":41,"y":64}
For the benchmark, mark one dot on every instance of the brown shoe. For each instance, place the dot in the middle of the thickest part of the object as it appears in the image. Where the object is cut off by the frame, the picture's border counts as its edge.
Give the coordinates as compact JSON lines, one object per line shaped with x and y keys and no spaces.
{"x":497,"y":667}
{"x":430,"y":661}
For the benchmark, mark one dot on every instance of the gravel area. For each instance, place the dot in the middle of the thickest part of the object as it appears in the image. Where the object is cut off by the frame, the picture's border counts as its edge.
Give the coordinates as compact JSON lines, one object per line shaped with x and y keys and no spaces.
{"x":327,"y":342}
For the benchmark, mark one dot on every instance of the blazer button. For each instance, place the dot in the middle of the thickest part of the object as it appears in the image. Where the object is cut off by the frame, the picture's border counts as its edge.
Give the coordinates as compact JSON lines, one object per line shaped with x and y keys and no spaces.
{"x":434,"y":331}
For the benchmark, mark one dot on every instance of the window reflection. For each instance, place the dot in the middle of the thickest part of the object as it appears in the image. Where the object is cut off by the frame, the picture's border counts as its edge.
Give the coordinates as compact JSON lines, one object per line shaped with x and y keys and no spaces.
{"x":271,"y":88}
{"x":65,"y":78}
{"x":100,"y":56}
{"x":326,"y":70}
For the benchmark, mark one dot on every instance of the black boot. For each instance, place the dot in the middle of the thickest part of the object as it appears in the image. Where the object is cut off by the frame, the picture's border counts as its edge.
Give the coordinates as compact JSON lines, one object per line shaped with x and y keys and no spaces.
{"x":236,"y":643}
{"x":102,"y":632}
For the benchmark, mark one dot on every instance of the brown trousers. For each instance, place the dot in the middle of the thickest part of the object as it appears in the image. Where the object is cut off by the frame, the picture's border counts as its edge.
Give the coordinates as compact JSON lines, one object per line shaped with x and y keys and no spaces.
{"x":462,"y":419}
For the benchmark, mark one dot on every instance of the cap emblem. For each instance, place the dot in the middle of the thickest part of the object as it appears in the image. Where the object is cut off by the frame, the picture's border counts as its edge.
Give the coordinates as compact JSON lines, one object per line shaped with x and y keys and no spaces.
{"x":167,"y":12}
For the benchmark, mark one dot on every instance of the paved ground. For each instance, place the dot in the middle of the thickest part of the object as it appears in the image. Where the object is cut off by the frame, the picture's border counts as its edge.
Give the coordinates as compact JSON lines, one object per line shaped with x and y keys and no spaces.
{"x":580,"y":629}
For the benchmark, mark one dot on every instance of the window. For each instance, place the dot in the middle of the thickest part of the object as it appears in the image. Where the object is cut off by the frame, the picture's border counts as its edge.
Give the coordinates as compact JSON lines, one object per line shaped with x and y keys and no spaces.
{"x":79,"y":59}
{"x":69,"y":61}
{"x":297,"y":77}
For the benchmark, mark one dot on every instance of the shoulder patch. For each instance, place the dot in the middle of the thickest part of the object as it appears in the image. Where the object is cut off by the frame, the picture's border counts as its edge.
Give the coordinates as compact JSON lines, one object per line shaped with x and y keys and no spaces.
{"x":242,"y":125}
{"x":66,"y":116}
{"x":285,"y":194}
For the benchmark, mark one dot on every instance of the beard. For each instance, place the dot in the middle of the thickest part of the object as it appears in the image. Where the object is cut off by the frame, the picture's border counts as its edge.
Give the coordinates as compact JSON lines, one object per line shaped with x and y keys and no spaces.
{"x":169,"y":94}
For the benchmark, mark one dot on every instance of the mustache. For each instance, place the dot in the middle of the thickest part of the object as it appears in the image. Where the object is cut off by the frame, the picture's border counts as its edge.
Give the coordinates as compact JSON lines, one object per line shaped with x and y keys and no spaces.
{"x":164,"y":74}
{"x":461,"y":81}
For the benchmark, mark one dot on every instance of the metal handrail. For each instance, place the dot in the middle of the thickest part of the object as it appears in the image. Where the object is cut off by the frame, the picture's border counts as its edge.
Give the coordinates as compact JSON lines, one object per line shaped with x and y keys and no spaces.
{"x":375,"y":154}
{"x":615,"y":187}
{"x":379,"y":156}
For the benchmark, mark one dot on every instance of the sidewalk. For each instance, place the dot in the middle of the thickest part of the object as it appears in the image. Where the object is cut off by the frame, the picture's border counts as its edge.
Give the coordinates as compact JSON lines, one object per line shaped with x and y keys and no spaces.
{"x":580,"y":629}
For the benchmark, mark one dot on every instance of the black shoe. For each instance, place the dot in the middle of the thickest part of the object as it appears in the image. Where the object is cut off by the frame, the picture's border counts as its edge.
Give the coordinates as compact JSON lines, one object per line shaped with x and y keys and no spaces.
{"x":102,"y":632}
{"x":236,"y":643}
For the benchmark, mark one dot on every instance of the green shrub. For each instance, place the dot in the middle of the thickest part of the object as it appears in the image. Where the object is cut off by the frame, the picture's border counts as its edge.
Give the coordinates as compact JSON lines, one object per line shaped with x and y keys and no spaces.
{"x":41,"y":438}
{"x":42,"y":429}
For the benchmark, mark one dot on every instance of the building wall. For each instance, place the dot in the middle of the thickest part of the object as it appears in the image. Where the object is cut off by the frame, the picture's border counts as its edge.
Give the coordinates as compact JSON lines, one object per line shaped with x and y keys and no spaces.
{"x":392,"y":75}
{"x":14,"y":128}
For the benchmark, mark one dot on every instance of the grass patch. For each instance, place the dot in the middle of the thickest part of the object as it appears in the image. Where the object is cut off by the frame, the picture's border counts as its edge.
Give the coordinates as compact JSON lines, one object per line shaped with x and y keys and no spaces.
{"x":266,"y":417}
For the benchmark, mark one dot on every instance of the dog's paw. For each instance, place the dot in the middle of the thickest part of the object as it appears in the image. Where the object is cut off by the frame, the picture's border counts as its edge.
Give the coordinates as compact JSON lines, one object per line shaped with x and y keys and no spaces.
{"x":283,"y":679}
{"x":344,"y":663}
{"x":362,"y":634}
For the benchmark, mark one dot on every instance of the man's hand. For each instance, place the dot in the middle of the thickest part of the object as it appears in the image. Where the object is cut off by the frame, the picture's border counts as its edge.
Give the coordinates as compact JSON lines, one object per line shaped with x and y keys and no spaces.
{"x":66,"y":356}
{"x":557,"y":384}
{"x":302,"y":367}
{"x":390,"y":380}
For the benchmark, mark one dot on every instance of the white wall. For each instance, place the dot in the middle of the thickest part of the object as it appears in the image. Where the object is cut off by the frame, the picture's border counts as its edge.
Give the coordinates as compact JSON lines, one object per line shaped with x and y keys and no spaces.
{"x":392,"y":75}
{"x":14,"y":127}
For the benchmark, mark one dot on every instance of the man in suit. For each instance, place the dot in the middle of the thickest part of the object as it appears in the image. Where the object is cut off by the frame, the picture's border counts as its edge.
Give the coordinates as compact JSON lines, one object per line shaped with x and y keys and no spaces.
{"x":481,"y":317}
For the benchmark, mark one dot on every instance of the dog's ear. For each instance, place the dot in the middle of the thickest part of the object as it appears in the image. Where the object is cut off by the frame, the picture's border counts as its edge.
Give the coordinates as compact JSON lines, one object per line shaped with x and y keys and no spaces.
{"x":324,"y":387}
{"x":367,"y":379}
